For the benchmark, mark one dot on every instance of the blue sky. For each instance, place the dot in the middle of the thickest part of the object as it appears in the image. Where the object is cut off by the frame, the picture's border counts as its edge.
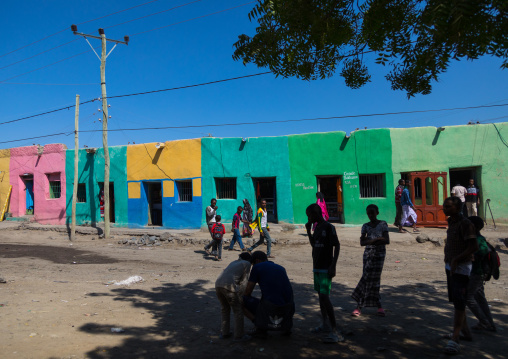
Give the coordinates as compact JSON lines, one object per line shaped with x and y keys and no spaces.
{"x":194,"y":52}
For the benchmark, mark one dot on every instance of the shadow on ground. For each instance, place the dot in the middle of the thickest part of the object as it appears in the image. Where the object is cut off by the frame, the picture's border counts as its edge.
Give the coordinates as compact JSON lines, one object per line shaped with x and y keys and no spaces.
{"x":187,"y":319}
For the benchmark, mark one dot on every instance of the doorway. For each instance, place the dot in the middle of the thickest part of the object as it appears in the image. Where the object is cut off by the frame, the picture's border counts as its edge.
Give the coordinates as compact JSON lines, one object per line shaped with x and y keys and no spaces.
{"x":28,"y":180}
{"x":111,"y":200}
{"x":265,"y":188}
{"x":331,"y":188}
{"x":153,"y":192}
{"x":463,"y":175}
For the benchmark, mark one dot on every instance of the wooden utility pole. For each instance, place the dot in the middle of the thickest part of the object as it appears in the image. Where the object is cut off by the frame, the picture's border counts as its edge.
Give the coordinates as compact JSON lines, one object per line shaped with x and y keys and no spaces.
{"x":105,"y":134}
{"x":105,"y":116}
{"x":75,"y":185}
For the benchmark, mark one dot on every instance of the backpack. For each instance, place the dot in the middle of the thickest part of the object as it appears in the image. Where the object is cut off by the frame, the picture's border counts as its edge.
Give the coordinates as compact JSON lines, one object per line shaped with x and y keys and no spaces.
{"x":217,"y":232}
{"x":491,"y":264}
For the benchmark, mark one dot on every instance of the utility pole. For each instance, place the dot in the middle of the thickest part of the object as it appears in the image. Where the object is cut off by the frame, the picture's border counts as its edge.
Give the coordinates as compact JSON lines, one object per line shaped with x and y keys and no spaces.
{"x":102,"y":58}
{"x":75,"y":185}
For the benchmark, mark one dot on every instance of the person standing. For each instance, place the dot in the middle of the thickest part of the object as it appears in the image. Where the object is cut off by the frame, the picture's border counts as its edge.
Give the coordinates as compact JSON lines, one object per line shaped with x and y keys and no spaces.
{"x":472,"y":199}
{"x":460,"y":191}
{"x":325,"y":253}
{"x":247,"y":218}
{"x":375,"y":238}
{"x":237,"y":218}
{"x":229,"y":287}
{"x":398,"y":206}
{"x":461,"y":244}
{"x":218,"y":232}
{"x":475,"y":300}
{"x":211,"y":212}
{"x":264,"y":230}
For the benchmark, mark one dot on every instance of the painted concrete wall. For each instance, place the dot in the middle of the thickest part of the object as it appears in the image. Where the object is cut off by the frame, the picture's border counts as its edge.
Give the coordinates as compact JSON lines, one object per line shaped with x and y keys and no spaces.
{"x":426,"y":148}
{"x":5,"y":158}
{"x":256,"y":158}
{"x":91,"y":173}
{"x":331,"y":153}
{"x":25,"y":160}
{"x":176,"y":160}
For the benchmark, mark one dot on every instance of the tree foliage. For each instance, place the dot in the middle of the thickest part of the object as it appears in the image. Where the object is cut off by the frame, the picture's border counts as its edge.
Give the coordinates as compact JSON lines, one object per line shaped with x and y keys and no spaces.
{"x":416,"y":39}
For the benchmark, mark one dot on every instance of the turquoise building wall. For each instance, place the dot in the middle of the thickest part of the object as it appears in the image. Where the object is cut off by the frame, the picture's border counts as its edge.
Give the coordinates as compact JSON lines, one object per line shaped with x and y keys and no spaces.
{"x":91,"y":173}
{"x":255,"y":158}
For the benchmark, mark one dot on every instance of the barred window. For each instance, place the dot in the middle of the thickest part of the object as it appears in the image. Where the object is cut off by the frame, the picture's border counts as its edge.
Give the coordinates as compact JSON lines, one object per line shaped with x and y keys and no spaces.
{"x":184,"y":189}
{"x":226,"y":188}
{"x":81,"y":193}
{"x":372,"y":186}
{"x":54,"y":185}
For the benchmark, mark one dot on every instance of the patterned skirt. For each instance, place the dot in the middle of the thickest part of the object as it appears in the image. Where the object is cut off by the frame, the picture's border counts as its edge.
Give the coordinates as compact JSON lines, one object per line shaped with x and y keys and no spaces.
{"x":366,"y":292}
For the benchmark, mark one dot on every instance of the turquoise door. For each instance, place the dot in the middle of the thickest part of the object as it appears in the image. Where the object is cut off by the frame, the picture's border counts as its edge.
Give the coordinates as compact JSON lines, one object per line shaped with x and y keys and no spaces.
{"x":29,"y":184}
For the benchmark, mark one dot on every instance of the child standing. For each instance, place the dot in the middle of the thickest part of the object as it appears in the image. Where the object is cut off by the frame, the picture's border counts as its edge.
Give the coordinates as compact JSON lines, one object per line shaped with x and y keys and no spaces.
{"x":374,"y":237}
{"x":325,"y":253}
{"x":475,"y":298}
{"x":237,"y":218}
{"x":218,"y":231}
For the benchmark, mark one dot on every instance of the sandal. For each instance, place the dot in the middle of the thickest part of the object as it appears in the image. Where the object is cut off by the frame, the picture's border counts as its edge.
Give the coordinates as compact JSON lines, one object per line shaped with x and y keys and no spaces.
{"x":320,"y":329}
{"x":356,"y":313}
{"x":461,"y":337}
{"x":333,"y":337}
{"x":381,"y":312}
{"x":207,"y":251}
{"x":452,"y":348}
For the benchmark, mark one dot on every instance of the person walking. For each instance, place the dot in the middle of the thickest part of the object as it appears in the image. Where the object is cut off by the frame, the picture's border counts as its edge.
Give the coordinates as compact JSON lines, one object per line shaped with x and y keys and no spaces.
{"x":218,"y":232}
{"x":264,"y":230}
{"x":398,"y":206}
{"x":325,"y":253}
{"x":236,"y":230}
{"x":461,"y":244}
{"x":229,"y":287}
{"x":408,"y":210}
{"x":375,"y":238}
{"x":247,"y":218}
{"x":472,"y":198}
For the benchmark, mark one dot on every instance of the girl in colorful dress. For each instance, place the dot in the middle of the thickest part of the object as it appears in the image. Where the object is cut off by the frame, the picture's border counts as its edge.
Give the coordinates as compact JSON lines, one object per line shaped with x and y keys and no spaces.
{"x":375,"y":238}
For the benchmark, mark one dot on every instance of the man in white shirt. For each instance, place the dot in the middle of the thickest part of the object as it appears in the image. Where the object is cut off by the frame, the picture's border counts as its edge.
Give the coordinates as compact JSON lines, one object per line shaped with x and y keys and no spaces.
{"x":460,"y":191}
{"x":211,"y":212}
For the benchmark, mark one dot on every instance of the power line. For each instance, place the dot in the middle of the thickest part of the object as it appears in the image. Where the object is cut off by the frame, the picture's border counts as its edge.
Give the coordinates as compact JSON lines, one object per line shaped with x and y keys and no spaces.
{"x":195,"y":18}
{"x":153,"y":14}
{"x":46,"y":84}
{"x":139,"y":93}
{"x":265,"y":122}
{"x":177,"y":23}
{"x":82,"y":23}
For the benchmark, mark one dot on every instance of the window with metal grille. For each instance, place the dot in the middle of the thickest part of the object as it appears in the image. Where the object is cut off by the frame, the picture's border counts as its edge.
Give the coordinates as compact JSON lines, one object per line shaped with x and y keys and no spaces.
{"x":54,"y":185}
{"x":81,"y":193}
{"x":184,"y":189}
{"x":226,"y":188}
{"x":372,"y":186}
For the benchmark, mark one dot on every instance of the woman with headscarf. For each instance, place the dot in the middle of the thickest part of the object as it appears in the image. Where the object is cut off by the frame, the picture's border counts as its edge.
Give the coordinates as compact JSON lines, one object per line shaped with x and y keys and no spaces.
{"x":320,"y":200}
{"x":247,"y":218}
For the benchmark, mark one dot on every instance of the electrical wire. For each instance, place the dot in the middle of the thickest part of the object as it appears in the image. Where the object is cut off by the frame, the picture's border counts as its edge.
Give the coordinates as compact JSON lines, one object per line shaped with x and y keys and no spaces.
{"x":153,"y":14}
{"x":45,"y":84}
{"x":261,"y":122}
{"x":82,"y":23}
{"x":195,"y":18}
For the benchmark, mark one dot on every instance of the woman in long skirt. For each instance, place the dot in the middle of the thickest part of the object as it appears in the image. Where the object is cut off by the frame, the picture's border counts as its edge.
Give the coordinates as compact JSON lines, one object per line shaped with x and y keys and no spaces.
{"x":375,"y":238}
{"x":247,"y":218}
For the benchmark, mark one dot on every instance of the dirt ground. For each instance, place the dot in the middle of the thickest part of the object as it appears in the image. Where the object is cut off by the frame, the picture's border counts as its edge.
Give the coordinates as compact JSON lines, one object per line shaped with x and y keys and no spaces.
{"x":60,"y":301}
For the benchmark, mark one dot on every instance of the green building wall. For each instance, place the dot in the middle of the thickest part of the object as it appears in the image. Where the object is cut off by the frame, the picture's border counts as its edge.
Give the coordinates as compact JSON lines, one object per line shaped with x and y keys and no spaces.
{"x":254,"y":158}
{"x":91,"y":173}
{"x":481,"y":148}
{"x":333,"y":154}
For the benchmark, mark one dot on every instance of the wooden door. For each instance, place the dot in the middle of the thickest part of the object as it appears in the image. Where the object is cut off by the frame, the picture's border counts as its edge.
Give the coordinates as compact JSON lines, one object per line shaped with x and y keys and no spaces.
{"x":428,"y":191}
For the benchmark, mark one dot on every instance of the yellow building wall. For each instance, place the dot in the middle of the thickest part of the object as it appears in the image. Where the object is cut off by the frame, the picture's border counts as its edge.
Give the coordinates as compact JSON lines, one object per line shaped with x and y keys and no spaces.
{"x":5,"y":159}
{"x":176,"y":159}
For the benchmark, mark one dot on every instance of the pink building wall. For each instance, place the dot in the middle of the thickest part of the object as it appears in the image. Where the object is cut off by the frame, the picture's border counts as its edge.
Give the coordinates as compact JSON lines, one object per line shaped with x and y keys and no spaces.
{"x":26,"y":162}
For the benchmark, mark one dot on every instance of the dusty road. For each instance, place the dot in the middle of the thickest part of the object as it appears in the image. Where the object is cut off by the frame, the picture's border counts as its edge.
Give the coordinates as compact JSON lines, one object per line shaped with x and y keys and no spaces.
{"x":59,"y":300}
